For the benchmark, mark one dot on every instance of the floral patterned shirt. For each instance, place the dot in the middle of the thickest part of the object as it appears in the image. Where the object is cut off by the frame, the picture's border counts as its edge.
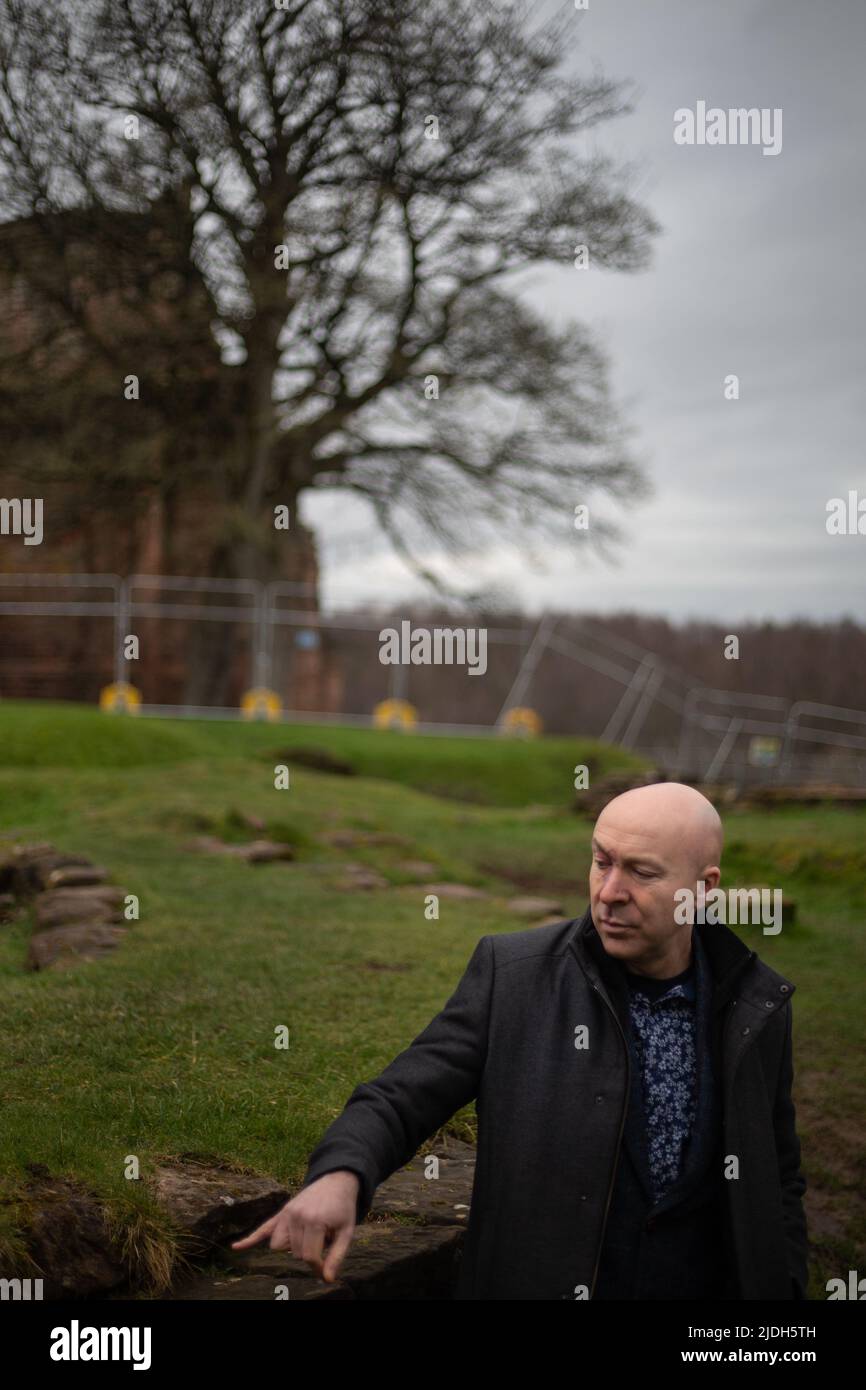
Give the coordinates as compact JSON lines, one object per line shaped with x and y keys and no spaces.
{"x":663,"y":1027}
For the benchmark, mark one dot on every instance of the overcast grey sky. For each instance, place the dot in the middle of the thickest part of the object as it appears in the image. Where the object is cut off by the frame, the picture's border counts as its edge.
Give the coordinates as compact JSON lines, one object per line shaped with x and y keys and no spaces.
{"x":759,"y":271}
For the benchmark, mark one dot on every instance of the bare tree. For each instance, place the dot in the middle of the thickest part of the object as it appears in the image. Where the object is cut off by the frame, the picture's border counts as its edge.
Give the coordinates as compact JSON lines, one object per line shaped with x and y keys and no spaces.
{"x":364,"y":181}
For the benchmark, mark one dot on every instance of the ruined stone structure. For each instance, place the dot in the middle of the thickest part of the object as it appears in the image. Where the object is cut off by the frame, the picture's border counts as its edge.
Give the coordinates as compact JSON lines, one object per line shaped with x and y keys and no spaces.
{"x":53,"y":387}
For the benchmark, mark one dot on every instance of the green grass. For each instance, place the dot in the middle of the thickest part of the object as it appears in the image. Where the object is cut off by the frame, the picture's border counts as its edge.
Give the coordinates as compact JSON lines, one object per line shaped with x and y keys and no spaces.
{"x":493,"y":771}
{"x":167,"y":1046}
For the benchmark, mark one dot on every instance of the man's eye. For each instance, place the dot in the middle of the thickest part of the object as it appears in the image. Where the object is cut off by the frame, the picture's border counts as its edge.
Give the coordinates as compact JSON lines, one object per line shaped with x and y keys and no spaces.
{"x":602,"y":863}
{"x":644,"y":873}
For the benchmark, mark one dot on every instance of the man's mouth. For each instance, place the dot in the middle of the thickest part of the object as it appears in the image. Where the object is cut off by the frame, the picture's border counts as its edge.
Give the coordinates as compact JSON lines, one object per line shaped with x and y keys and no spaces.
{"x":616,"y":926}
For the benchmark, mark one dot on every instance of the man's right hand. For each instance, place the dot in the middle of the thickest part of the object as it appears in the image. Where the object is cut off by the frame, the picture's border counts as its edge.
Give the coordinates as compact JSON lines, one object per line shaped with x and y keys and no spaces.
{"x":326,"y":1208}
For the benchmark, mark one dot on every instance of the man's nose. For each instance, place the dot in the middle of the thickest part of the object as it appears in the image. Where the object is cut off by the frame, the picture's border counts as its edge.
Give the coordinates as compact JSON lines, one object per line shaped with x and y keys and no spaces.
{"x":614,"y":887}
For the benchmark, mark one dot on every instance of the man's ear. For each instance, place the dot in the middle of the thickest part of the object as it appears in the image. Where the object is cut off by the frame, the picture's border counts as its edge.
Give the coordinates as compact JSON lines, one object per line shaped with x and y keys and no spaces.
{"x":711,"y":875}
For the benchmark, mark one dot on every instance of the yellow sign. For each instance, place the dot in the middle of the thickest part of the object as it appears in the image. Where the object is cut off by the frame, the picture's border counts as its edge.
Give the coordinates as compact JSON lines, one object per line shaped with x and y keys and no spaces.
{"x":395,"y":714}
{"x":764,"y":752}
{"x":120,"y":698}
{"x":261,"y":703}
{"x":522,"y":721}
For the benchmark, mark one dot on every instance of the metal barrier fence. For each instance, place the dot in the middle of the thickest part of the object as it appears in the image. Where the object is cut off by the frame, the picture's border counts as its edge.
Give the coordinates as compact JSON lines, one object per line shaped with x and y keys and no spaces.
{"x":768,"y":738}
{"x":722,"y":733}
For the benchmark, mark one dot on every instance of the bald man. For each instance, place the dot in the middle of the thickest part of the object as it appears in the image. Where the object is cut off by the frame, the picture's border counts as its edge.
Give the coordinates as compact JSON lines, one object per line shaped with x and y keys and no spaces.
{"x":632,"y":1075}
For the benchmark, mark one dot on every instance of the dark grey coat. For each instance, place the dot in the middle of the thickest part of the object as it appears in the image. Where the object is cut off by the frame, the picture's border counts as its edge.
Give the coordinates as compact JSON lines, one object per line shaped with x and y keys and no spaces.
{"x":551,"y":1116}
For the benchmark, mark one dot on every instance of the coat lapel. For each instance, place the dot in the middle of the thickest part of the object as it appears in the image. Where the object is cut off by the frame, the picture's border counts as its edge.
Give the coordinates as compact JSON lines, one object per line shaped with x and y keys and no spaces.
{"x":720,"y":957}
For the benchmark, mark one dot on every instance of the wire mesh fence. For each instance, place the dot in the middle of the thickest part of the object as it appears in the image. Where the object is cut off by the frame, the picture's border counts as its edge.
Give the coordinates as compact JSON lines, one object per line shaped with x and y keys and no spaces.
{"x":197,"y":646}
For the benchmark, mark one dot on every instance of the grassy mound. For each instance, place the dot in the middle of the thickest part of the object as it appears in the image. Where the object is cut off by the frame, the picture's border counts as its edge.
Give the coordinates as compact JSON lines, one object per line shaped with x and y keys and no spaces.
{"x":488,"y":771}
{"x":167,"y":1045}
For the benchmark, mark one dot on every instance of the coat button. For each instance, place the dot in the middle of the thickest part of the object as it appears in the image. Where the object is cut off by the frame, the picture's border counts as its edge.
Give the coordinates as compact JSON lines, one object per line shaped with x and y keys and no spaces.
{"x":599,"y":1099}
{"x":583,"y":1196}
{"x":768,"y":1004}
{"x":784,"y":989}
{"x":746,"y":1030}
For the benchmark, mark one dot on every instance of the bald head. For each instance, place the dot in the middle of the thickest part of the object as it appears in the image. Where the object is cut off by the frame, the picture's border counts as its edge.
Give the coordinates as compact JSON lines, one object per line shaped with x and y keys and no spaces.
{"x":677,"y":819}
{"x":649,"y":844}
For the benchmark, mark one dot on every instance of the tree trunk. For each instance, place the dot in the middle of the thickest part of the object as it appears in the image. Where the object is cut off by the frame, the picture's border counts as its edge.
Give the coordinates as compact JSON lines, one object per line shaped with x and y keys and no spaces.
{"x":221,"y":660}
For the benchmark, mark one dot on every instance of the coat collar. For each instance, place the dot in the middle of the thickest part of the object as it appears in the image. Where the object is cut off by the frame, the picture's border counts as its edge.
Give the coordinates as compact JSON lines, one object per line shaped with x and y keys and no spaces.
{"x":731,"y":964}
{"x":727,"y":972}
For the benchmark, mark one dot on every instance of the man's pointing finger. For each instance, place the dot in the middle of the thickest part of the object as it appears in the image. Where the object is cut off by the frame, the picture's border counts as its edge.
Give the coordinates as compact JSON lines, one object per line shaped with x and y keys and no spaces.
{"x":259,"y":1234}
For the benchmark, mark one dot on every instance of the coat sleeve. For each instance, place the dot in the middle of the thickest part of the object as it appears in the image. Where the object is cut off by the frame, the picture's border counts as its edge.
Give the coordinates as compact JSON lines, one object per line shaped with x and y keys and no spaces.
{"x":791,"y":1178}
{"x":386,"y":1120}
